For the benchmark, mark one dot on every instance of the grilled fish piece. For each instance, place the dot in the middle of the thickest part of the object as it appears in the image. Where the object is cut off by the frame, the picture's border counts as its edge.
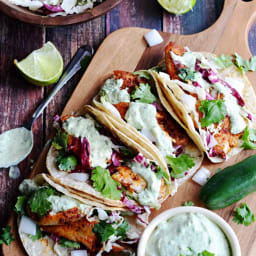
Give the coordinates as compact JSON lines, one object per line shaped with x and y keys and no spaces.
{"x":80,"y":231}
{"x":130,"y":180}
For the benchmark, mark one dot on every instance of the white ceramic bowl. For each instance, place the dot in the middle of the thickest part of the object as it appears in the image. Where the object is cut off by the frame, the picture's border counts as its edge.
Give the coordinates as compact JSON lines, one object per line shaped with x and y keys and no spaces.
{"x":225,"y":227}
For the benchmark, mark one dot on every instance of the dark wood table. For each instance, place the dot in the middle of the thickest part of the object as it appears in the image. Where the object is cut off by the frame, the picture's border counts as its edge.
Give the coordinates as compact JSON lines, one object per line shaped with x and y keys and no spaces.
{"x":18,"y":99}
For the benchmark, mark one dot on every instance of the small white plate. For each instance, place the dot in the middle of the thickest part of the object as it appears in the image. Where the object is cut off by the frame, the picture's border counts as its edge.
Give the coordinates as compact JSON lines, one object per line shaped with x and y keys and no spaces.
{"x":225,"y":227}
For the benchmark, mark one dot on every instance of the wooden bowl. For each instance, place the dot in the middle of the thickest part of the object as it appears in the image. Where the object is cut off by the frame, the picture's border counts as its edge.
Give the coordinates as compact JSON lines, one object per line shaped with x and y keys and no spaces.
{"x":28,"y":16}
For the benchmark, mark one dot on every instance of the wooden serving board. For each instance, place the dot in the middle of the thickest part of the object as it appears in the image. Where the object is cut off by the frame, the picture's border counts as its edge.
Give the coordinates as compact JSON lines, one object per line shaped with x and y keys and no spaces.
{"x":125,"y":49}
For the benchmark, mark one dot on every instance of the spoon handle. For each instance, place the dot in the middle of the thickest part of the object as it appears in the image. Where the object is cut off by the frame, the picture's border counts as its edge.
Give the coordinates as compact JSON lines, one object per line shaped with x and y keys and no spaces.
{"x":73,"y":67}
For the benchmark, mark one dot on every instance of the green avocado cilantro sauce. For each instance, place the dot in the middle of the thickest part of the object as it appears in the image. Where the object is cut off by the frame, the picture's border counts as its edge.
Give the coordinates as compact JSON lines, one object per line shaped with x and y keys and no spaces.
{"x":139,"y":115}
{"x":15,"y":145}
{"x":143,"y":116}
{"x":234,"y":110}
{"x":187,"y":232}
{"x":148,"y":196}
{"x":100,"y":145}
{"x":112,"y":93}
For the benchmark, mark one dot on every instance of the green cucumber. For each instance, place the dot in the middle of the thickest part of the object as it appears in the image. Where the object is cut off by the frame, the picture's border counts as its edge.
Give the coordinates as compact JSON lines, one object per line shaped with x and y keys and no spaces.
{"x":230,"y":185}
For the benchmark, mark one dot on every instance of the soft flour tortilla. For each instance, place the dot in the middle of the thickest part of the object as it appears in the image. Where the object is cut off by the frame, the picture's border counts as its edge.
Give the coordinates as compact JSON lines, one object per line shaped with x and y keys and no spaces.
{"x":133,"y":134}
{"x":173,"y":94}
{"x":46,"y":246}
{"x":84,"y":189}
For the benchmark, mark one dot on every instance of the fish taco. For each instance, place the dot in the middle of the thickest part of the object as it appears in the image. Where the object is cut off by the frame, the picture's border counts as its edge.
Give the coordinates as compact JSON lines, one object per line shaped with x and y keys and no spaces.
{"x":136,"y":106}
{"x":96,"y":160}
{"x":212,"y":99}
{"x":54,"y":222}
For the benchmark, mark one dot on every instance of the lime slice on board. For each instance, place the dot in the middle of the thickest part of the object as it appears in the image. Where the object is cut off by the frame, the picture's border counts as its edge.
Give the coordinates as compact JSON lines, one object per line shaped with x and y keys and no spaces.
{"x":43,"y":66}
{"x":177,"y":7}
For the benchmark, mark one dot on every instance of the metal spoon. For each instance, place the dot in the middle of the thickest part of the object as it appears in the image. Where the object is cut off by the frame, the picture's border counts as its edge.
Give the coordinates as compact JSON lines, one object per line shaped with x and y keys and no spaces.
{"x":16,"y":144}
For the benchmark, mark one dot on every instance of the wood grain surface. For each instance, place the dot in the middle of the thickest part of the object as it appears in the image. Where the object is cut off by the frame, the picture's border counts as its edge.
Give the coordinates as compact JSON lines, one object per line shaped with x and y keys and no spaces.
{"x":18,"y":99}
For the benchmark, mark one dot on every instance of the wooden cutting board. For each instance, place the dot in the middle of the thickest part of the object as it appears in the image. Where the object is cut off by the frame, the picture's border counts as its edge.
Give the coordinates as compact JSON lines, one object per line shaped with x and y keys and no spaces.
{"x":125,"y":49}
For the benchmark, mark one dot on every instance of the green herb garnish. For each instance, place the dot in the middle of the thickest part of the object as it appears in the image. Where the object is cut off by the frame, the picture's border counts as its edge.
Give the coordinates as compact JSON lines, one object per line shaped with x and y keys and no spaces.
{"x":160,"y":173}
{"x":19,"y":207}
{"x":143,"y":94}
{"x":186,"y":74}
{"x":244,"y":215}
{"x":66,"y":163}
{"x":103,"y":182}
{"x":60,"y":141}
{"x":249,"y":138}
{"x":6,"y":237}
{"x":188,"y":203}
{"x":143,"y":74}
{"x":224,"y":61}
{"x":245,"y":65}
{"x":180,"y":165}
{"x":37,"y":236}
{"x":214,"y":111}
{"x":38,"y":202}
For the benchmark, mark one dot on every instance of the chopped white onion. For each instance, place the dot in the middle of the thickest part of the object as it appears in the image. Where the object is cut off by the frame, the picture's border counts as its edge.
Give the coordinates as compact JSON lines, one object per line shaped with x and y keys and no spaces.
{"x":153,"y":38}
{"x":112,"y":109}
{"x":79,"y":176}
{"x":79,"y":253}
{"x":27,"y":226}
{"x":147,"y":133}
{"x":201,"y":177}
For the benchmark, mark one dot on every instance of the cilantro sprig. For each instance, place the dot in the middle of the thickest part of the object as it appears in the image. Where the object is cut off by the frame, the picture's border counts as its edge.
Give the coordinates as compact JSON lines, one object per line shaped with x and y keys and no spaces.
{"x":245,"y":65}
{"x":224,"y":61}
{"x":104,"y":230}
{"x":160,"y":173}
{"x":186,"y":74}
{"x":249,"y":138}
{"x":188,"y":203}
{"x":180,"y":165}
{"x":142,"y":74}
{"x":143,"y":94}
{"x":243,"y":215}
{"x":37,"y":236}
{"x":38,"y":202}
{"x":103,"y":182}
{"x":214,"y":111}
{"x":66,"y":162}
{"x":6,"y":236}
{"x":60,"y":141}
{"x":19,"y":207}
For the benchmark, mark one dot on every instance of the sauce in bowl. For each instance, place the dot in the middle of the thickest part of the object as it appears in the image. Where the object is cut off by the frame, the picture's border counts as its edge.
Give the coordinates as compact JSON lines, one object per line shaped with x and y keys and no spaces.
{"x":187,"y":234}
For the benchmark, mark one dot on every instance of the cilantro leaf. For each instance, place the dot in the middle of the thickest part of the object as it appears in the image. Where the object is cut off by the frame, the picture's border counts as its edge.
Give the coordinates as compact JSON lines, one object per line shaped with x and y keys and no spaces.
{"x":103,"y":182}
{"x":188,"y":203}
{"x":104,"y":230}
{"x":249,"y":137}
{"x":68,"y":244}
{"x":180,"y":165}
{"x":205,"y":253}
{"x":245,"y":65}
{"x":143,"y":94}
{"x":19,"y":207}
{"x":224,"y":61}
{"x":122,"y":230}
{"x":186,"y":74}
{"x":37,"y":236}
{"x":143,"y":74}
{"x":38,"y":202}
{"x":6,"y":237}
{"x":214,"y":111}
{"x":66,"y":163}
{"x":160,"y":173}
{"x":244,"y":215}
{"x":60,"y":141}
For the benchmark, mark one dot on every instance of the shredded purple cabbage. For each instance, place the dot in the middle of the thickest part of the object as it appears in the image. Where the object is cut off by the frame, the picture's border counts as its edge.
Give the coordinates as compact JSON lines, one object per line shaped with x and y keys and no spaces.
{"x":56,"y":118}
{"x":196,"y":84}
{"x":115,"y":160}
{"x":130,"y":205}
{"x":235,"y":93}
{"x":85,"y":153}
{"x":55,"y":238}
{"x":157,"y":106}
{"x":178,"y":150}
{"x":249,"y":116}
{"x":53,"y":8}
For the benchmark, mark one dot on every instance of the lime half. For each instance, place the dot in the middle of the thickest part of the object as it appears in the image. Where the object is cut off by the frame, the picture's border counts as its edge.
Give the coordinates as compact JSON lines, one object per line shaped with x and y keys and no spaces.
{"x":43,"y":66}
{"x":177,"y":7}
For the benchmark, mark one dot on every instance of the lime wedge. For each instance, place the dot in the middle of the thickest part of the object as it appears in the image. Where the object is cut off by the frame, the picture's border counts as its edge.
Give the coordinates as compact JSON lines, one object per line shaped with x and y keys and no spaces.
{"x":43,"y":66}
{"x":177,"y":7}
